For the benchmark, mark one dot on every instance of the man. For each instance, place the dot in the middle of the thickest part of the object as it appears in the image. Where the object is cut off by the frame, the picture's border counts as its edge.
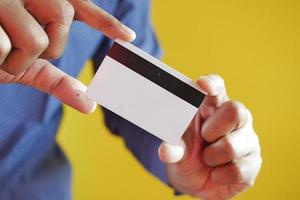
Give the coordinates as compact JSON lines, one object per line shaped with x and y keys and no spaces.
{"x":218,"y":157}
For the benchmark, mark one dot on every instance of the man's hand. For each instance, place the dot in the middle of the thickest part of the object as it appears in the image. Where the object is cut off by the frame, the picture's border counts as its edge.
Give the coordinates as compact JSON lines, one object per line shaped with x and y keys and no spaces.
{"x":44,"y":76}
{"x":220,"y":154}
{"x":33,"y":29}
{"x":23,"y":38}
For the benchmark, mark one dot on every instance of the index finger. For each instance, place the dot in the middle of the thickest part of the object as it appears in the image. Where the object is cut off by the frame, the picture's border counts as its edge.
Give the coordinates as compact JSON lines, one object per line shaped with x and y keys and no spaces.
{"x":43,"y":76}
{"x":99,"y":19}
{"x":214,"y":86}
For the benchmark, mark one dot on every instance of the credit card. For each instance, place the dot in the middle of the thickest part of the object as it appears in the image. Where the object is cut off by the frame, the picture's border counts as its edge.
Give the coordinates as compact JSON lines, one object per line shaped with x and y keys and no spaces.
{"x":146,"y":92}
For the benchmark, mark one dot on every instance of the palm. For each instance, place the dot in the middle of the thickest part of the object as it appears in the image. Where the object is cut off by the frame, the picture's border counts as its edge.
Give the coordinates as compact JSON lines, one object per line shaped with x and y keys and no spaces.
{"x":192,"y":175}
{"x":193,"y":168}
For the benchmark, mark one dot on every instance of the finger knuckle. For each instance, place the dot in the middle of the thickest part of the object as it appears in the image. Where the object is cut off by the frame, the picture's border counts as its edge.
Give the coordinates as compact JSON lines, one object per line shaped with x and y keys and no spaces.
{"x":67,"y":11}
{"x":228,"y":150}
{"x":5,"y":47}
{"x":53,"y":53}
{"x":38,"y":43}
{"x":235,"y":172}
{"x":59,"y":82}
{"x":218,"y":153}
{"x":208,"y":156}
{"x":255,"y":141}
{"x":249,"y":184}
{"x":235,"y":110}
{"x":259,"y":161}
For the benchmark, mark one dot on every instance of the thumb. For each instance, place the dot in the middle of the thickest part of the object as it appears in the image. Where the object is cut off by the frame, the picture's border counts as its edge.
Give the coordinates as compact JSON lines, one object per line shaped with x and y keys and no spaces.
{"x":97,"y":18}
{"x":170,"y":154}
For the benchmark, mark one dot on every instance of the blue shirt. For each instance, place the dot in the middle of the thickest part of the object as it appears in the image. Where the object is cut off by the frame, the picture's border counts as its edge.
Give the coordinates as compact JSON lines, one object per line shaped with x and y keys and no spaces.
{"x":32,"y":165}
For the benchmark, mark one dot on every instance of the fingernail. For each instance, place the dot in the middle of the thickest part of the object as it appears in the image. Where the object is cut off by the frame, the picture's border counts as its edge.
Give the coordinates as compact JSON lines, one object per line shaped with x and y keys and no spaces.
{"x":176,"y":152}
{"x":129,"y":31}
{"x":94,"y":107}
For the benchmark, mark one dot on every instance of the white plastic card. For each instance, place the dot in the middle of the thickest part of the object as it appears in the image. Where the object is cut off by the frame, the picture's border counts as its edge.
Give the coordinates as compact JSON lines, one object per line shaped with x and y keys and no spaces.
{"x":146,"y":92}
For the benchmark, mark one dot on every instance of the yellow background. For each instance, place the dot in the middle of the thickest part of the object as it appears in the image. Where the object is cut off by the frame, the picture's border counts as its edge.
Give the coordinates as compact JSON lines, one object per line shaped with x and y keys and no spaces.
{"x":254,"y":45}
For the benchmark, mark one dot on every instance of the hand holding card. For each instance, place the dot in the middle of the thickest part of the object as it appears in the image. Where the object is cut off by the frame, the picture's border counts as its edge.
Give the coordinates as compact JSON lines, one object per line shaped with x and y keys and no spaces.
{"x":146,"y":92}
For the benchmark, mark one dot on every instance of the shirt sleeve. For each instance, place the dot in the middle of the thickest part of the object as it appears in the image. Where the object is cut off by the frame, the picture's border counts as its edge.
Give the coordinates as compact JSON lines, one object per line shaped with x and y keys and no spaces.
{"x":136,"y":15}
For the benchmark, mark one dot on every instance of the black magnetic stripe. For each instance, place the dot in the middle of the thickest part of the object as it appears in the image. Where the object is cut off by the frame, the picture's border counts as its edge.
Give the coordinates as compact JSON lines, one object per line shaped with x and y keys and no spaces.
{"x":156,"y":74}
